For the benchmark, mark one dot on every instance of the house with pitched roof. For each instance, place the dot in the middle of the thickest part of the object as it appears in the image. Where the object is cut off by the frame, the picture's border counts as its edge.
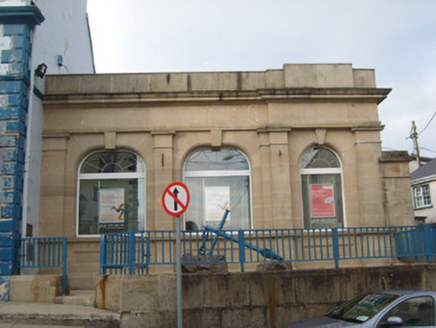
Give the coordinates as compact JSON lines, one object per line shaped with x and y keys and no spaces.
{"x":423,"y":182}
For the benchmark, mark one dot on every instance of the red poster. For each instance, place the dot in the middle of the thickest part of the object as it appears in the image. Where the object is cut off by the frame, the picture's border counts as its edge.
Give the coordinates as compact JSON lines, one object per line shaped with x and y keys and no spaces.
{"x":322,"y":201}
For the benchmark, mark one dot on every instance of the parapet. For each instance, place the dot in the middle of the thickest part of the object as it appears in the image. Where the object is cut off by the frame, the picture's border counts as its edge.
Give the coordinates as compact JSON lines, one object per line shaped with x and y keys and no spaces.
{"x":291,"y":76}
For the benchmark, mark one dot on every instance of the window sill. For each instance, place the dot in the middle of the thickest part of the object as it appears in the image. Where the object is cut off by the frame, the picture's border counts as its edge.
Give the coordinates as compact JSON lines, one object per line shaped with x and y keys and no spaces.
{"x":423,"y":207}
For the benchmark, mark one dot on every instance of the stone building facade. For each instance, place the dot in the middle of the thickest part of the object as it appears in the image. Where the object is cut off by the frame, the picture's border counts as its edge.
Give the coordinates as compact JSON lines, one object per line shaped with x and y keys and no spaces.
{"x":297,"y":147}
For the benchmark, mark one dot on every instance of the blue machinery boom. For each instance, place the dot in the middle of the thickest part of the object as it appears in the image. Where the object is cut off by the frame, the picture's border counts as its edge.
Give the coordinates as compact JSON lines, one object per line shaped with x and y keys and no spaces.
{"x":265,"y":252}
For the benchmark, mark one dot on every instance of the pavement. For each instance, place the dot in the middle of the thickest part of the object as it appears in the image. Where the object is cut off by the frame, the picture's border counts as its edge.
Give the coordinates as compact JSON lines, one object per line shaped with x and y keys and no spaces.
{"x":21,"y":315}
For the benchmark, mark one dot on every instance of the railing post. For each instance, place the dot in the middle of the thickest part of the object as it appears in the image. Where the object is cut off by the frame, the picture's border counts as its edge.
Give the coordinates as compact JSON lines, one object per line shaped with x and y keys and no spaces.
{"x":241,"y":239}
{"x":335,"y":238}
{"x":102,"y":254}
{"x":64,"y":265}
{"x":427,"y":243}
{"x":132,"y":244}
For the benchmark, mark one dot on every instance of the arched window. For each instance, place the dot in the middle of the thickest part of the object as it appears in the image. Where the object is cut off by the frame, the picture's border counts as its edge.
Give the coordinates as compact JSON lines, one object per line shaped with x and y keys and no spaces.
{"x":218,"y":179}
{"x":111,"y":193}
{"x":321,"y":180}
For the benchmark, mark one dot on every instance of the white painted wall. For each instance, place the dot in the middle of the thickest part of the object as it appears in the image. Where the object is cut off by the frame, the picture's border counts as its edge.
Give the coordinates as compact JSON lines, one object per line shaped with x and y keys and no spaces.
{"x":429,"y":212}
{"x":64,"y":32}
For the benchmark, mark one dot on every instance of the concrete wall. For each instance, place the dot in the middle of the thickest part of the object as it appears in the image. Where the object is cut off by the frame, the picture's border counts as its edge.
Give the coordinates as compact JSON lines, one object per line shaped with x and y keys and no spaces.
{"x":255,"y":299}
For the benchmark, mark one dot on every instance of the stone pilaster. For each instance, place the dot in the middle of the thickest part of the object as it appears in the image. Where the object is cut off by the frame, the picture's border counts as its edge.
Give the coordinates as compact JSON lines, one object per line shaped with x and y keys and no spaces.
{"x":276,"y":188}
{"x":163,"y":176}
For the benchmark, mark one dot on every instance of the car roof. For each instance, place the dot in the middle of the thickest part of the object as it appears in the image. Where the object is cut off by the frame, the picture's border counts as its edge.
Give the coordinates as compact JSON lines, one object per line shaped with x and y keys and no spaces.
{"x":402,"y":292}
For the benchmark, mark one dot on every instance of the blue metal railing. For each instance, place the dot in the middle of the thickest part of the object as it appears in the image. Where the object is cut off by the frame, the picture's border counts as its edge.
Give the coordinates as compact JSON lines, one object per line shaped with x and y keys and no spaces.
{"x":45,"y":253}
{"x":126,"y":252}
{"x":135,"y":252}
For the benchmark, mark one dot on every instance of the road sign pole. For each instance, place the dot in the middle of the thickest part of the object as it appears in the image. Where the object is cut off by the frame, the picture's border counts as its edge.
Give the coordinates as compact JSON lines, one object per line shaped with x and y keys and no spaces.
{"x":179,"y":276}
{"x":175,"y":200}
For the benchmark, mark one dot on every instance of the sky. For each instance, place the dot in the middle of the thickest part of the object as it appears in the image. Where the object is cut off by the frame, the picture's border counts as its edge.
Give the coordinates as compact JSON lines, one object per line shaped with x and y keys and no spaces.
{"x":397,"y":38}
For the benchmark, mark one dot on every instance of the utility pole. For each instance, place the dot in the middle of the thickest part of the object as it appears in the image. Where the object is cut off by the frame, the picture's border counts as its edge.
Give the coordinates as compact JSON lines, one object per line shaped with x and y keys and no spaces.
{"x":415,"y":143}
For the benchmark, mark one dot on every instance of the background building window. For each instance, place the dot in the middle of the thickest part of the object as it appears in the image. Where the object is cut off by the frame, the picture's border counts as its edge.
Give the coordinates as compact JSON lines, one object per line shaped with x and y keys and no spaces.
{"x":421,"y":196}
{"x":321,"y":179}
{"x":111,"y":193}
{"x":218,"y":179}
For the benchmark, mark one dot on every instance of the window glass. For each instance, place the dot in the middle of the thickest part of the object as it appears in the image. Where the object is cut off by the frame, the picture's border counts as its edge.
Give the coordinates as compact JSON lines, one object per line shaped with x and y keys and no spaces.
{"x":415,"y":312}
{"x":321,"y":182}
{"x":362,"y":308}
{"x":218,"y":180}
{"x":111,"y":193}
{"x":421,"y":196}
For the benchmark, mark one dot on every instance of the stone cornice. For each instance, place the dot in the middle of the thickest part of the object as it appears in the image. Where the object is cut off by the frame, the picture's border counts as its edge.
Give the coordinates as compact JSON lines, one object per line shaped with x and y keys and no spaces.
{"x":50,"y":133}
{"x":30,"y":15}
{"x":261,"y":95}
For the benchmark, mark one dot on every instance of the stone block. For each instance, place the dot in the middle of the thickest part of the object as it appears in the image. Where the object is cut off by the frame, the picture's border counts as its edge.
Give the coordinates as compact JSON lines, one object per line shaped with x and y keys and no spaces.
{"x":35,"y":289}
{"x":8,"y":141}
{"x":16,"y":29}
{"x":149,"y":320}
{"x":6,"y":268}
{"x":325,"y":286}
{"x":194,"y":318}
{"x":364,"y":78}
{"x":318,"y":76}
{"x":9,"y":225}
{"x":204,"y":264}
{"x":109,"y":294}
{"x":242,"y":318}
{"x":13,"y":87}
{"x":7,"y":253}
{"x":144,"y":294}
{"x":13,"y":56}
{"x":271,"y":288}
{"x":11,"y":211}
{"x":7,"y":239}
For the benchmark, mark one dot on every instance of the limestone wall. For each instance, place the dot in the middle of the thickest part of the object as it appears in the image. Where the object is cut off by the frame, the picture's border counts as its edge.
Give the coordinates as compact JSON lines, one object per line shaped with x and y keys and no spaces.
{"x":255,"y":299}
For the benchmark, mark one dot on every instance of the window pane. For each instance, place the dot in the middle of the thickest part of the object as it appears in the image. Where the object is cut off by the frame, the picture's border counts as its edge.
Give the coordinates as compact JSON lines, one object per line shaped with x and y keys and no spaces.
{"x":322,"y":200}
{"x":426,"y":195}
{"x":112,"y":162}
{"x":418,"y":197}
{"x":319,"y":158}
{"x":210,"y":196}
{"x":415,"y":312}
{"x":220,"y":160}
{"x":422,"y":196}
{"x":111,"y":206}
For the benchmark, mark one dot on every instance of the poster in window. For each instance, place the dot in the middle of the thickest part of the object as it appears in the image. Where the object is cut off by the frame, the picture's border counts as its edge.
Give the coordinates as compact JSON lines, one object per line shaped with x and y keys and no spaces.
{"x":322,"y":201}
{"x":217,"y":200}
{"x":111,"y":208}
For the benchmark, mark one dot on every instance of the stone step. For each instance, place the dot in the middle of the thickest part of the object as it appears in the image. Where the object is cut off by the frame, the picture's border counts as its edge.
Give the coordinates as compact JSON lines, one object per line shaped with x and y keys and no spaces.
{"x":16,"y":314}
{"x":81,"y":281}
{"x":77,"y":297}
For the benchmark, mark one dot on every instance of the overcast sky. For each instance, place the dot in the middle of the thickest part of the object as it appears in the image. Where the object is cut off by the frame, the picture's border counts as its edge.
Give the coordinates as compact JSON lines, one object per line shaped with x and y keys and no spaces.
{"x":397,"y":38}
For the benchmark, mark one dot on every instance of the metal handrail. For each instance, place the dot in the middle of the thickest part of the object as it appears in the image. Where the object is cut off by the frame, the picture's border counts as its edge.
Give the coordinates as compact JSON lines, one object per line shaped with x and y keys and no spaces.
{"x":135,"y":252}
{"x":45,"y":253}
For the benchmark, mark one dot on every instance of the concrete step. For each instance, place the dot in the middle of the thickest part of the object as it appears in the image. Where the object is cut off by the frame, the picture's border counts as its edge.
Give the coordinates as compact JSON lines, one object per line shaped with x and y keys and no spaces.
{"x":77,"y":297}
{"x":17,"y":314}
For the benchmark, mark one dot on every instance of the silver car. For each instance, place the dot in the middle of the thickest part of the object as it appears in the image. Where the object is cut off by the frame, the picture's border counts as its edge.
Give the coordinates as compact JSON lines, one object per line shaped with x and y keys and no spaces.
{"x":394,"y":308}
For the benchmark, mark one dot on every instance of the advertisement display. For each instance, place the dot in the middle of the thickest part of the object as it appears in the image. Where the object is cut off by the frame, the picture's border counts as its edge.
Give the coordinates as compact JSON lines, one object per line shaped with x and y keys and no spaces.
{"x":111,"y":202}
{"x":217,"y":199}
{"x":322,"y":201}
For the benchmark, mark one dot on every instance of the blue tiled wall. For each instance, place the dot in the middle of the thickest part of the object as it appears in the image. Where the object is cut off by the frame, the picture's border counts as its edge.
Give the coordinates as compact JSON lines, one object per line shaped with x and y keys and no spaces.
{"x":14,"y":89}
